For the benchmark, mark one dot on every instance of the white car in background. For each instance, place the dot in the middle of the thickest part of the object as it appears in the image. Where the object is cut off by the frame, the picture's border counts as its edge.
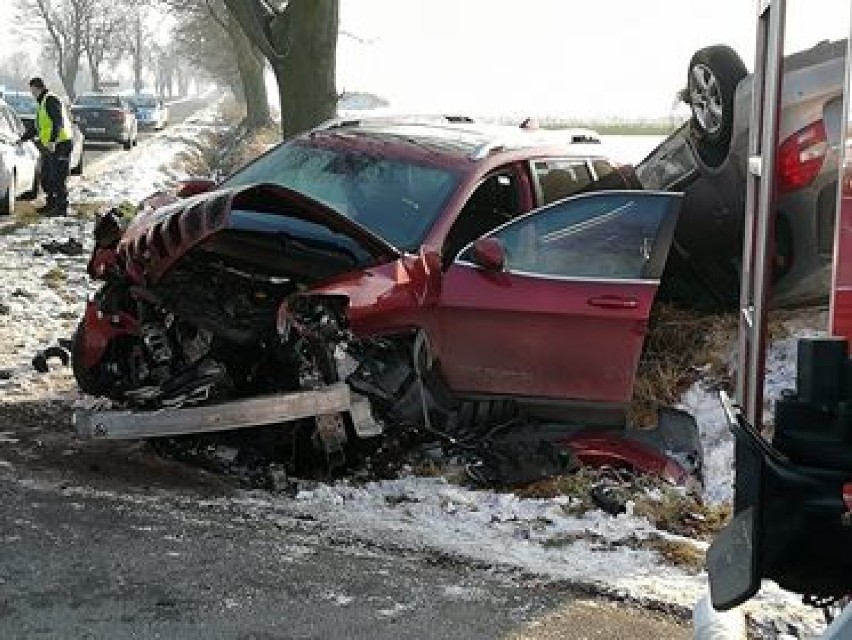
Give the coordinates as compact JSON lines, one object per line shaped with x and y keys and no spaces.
{"x":19,"y":163}
{"x":25,"y":106}
{"x":151,"y":111}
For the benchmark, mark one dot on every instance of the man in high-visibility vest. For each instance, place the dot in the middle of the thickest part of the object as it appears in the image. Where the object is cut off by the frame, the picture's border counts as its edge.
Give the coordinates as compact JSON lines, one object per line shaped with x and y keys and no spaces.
{"x":54,"y":139}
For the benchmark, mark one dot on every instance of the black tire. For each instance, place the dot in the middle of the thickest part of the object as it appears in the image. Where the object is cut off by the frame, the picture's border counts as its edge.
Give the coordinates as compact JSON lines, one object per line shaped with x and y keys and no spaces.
{"x":127,"y":144}
{"x":712,"y":79}
{"x":7,"y":203}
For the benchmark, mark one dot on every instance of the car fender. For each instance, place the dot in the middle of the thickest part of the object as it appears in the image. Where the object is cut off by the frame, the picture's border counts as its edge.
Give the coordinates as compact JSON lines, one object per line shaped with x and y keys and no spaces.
{"x":100,"y":329}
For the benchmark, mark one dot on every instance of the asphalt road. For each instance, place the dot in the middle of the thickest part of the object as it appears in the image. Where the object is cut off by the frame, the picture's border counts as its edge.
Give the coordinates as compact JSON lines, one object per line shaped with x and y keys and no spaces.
{"x":108,"y":540}
{"x":178,"y":112}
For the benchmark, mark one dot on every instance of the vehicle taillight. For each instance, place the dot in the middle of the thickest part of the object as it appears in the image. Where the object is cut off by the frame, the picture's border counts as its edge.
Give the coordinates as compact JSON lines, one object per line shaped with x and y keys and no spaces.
{"x":116,"y":115}
{"x":800,"y":157}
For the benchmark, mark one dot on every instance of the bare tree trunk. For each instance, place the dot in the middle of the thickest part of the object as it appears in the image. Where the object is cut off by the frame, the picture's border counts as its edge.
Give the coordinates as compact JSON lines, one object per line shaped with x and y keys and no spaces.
{"x":137,"y":56}
{"x":95,"y":71}
{"x":182,"y":83}
{"x":68,"y":73}
{"x":306,"y":74}
{"x":251,"y":65}
{"x":300,"y":42}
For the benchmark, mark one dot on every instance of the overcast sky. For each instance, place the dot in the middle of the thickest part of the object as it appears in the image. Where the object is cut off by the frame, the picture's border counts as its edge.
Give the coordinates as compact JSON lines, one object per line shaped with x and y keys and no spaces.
{"x":613,"y":58}
{"x":623,"y":58}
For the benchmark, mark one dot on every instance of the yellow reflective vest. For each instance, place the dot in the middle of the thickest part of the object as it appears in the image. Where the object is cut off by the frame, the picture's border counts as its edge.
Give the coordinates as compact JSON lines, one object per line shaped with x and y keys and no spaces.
{"x":44,"y":123}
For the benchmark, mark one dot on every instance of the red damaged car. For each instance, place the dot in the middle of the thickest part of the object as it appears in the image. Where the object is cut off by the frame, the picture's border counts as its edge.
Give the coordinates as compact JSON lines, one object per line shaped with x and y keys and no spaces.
{"x":455,"y":276}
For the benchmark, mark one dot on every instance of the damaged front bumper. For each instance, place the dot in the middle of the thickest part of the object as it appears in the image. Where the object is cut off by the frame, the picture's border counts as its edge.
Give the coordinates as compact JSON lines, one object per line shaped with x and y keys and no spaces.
{"x":332,"y":400}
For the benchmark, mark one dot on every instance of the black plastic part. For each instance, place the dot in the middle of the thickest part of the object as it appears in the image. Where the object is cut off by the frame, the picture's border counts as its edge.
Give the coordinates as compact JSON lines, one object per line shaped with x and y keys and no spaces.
{"x":820,"y":370}
{"x":791,"y":522}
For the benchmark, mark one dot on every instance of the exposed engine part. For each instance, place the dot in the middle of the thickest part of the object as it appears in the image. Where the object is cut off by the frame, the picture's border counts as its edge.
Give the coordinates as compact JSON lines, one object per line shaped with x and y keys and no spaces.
{"x":194,"y":342}
{"x":192,"y":386}
{"x":157,"y":342}
{"x":331,"y":437}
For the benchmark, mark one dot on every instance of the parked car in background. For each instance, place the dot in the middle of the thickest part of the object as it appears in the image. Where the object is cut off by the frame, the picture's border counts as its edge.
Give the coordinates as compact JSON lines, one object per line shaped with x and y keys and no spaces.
{"x":19,"y":163}
{"x":106,"y":117}
{"x":151,"y":111}
{"x":26,"y":106}
{"x":452,"y":274}
{"x":706,"y":159}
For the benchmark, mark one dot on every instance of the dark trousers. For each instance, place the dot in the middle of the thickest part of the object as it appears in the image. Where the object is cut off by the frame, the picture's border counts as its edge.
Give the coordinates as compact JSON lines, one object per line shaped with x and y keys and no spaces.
{"x":54,"y":174}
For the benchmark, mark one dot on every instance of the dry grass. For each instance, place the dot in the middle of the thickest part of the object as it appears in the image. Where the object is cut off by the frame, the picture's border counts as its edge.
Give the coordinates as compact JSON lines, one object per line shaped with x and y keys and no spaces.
{"x":25,"y":214}
{"x":683,"y":346}
{"x":203,"y":158}
{"x":678,"y":552}
{"x":671,"y":509}
{"x":250,"y":145}
{"x":87,"y":210}
{"x":680,"y":347}
{"x":233,"y":111}
{"x":55,"y":279}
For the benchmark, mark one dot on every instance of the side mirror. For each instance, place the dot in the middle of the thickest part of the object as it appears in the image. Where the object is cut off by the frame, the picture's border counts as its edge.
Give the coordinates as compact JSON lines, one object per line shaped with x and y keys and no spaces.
{"x":488,"y":253}
{"x":789,"y":525}
{"x":194,"y":186}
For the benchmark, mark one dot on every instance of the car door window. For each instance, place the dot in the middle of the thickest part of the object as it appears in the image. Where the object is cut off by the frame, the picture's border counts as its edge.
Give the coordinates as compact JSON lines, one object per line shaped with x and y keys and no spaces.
{"x":494,"y":202}
{"x":560,"y":178}
{"x":602,"y":235}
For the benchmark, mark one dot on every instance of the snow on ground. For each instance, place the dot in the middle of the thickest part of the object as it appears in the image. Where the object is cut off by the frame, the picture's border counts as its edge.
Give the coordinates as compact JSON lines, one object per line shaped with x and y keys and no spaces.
{"x":42,"y":296}
{"x":702,"y":401}
{"x":150,"y":167}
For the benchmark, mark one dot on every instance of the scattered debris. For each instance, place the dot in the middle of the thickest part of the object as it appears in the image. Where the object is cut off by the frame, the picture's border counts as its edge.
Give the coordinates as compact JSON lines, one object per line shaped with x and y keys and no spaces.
{"x":505,"y":463}
{"x":610,"y":498}
{"x":69,"y":247}
{"x":54,"y":351}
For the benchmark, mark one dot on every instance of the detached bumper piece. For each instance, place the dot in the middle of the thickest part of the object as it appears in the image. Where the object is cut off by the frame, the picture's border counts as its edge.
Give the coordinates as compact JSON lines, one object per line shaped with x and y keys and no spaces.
{"x":252,"y":412}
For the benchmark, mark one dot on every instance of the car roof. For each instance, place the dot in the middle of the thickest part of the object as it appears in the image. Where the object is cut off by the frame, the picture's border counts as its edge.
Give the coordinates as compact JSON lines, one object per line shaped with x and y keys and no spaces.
{"x":456,"y":139}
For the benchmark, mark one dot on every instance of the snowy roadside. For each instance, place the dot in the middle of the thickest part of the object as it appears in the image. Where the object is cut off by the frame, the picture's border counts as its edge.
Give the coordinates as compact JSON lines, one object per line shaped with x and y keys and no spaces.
{"x":42,"y":296}
{"x":43,"y":289}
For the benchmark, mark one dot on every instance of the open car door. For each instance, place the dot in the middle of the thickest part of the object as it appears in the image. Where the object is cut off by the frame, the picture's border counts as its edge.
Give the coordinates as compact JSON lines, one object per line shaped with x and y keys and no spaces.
{"x":555,"y":304}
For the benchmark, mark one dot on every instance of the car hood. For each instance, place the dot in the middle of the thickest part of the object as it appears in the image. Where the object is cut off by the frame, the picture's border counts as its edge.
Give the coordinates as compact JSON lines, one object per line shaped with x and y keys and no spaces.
{"x":278,"y":230}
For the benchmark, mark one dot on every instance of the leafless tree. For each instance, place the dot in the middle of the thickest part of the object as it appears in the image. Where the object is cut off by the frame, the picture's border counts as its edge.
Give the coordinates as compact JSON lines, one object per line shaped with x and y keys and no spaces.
{"x":103,"y":36}
{"x":250,"y":65}
{"x":212,"y":40}
{"x":299,"y":40}
{"x":16,"y":69}
{"x":62,"y":23}
{"x":138,"y":42}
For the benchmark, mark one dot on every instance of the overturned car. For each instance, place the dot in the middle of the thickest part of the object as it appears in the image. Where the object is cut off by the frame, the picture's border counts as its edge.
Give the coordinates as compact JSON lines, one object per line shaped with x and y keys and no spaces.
{"x":365,"y":277}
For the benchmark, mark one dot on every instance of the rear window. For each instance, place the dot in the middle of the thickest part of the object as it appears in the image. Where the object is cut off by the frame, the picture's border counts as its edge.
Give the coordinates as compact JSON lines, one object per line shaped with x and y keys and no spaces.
{"x":94,"y":100}
{"x":146,"y":101}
